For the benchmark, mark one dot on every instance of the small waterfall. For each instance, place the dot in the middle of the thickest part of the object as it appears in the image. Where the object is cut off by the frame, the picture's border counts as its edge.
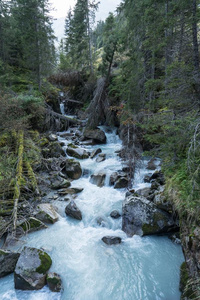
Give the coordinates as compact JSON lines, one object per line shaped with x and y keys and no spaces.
{"x":62,"y":108}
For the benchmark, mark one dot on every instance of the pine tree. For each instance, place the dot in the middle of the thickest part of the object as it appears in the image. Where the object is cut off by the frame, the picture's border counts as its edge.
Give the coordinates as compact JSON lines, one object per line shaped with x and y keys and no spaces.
{"x":79,"y":35}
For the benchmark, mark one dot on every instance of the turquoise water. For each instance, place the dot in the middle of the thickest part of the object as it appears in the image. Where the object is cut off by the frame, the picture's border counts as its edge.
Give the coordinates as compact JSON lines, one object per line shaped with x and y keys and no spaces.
{"x":138,"y":269}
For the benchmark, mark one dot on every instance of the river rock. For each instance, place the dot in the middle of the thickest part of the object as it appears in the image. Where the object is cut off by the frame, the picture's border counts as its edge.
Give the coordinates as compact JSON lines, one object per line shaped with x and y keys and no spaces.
{"x":141,"y":216}
{"x":151,"y":164}
{"x":31,"y":269}
{"x":101,"y":221}
{"x":54,"y":282}
{"x":52,"y":137}
{"x":116,"y":175}
{"x":73,"y":211}
{"x":147,"y":178}
{"x":95,"y":152}
{"x":72,"y":169}
{"x":98,"y":179}
{"x":115,"y":214}
{"x":111,"y":240}
{"x":47,"y":213}
{"x":60,"y":184}
{"x":70,"y":191}
{"x":159,"y":177}
{"x":101,"y":157}
{"x":145,"y":192}
{"x":122,"y":182}
{"x":76,"y":152}
{"x":96,"y":134}
{"x":8,"y":261}
{"x":30,"y":225}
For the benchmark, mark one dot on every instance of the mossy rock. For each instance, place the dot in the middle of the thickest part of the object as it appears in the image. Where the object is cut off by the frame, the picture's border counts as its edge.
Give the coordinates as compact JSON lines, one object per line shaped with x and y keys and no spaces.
{"x":32,"y":224}
{"x":31,"y":269}
{"x":43,"y":142}
{"x":54,"y":282}
{"x":47,"y":213}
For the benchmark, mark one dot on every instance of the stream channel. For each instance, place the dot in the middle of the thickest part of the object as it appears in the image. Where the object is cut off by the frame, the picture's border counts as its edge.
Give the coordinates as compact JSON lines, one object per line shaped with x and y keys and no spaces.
{"x":140,"y":268}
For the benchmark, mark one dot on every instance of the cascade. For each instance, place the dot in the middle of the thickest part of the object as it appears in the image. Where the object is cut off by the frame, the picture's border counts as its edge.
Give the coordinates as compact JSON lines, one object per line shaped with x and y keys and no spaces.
{"x":140,"y":268}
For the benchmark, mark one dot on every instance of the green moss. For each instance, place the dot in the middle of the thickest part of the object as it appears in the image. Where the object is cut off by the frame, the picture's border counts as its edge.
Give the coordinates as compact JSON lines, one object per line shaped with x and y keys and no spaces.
{"x":43,"y":142}
{"x":31,"y":224}
{"x":53,"y":280}
{"x":46,"y":263}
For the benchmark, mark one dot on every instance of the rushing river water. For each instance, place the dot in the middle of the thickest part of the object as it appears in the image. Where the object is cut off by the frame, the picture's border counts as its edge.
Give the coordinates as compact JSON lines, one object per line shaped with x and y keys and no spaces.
{"x":144,"y":268}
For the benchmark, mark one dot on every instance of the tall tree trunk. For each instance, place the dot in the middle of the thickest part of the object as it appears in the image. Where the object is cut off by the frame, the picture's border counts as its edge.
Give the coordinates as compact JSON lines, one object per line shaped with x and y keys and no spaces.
{"x":194,"y":34}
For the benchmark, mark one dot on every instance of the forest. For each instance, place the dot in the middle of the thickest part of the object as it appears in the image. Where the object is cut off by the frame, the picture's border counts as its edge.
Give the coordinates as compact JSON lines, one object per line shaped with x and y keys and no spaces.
{"x":138,"y":70}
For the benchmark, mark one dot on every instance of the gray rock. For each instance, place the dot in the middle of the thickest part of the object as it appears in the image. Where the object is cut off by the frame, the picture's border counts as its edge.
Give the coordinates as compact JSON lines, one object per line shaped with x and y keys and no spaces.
{"x":73,"y":211}
{"x":8,"y":261}
{"x":72,"y":169}
{"x":116,"y":175}
{"x":52,"y":137}
{"x":111,"y":240}
{"x":96,"y":134}
{"x":95,"y":152}
{"x":115,"y":214}
{"x":47,"y":213}
{"x":145,"y":192}
{"x":31,"y":269}
{"x":101,"y":157}
{"x":98,"y":179}
{"x":60,"y":184}
{"x":141,"y":216}
{"x":159,"y":177}
{"x":54,"y":282}
{"x":76,"y":152}
{"x":122,"y":182}
{"x":151,"y":164}
{"x":70,"y":191}
{"x":162,"y":203}
{"x":147,"y":178}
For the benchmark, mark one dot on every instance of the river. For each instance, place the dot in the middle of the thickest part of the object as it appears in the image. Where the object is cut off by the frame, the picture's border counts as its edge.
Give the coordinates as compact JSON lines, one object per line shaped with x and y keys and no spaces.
{"x":140,"y":268}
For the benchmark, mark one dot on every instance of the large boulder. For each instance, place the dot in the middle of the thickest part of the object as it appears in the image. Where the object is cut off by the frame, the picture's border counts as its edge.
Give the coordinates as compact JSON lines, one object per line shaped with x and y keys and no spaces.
{"x":141,"y":216}
{"x":98,"y":179}
{"x":76,"y":152}
{"x":73,"y":211}
{"x":122,"y":182}
{"x":96,"y":134}
{"x":8,"y":261}
{"x":117,"y":175}
{"x":31,"y":269}
{"x":47,"y":213}
{"x":111,"y":240}
{"x":54,"y":282}
{"x":72,"y":169}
